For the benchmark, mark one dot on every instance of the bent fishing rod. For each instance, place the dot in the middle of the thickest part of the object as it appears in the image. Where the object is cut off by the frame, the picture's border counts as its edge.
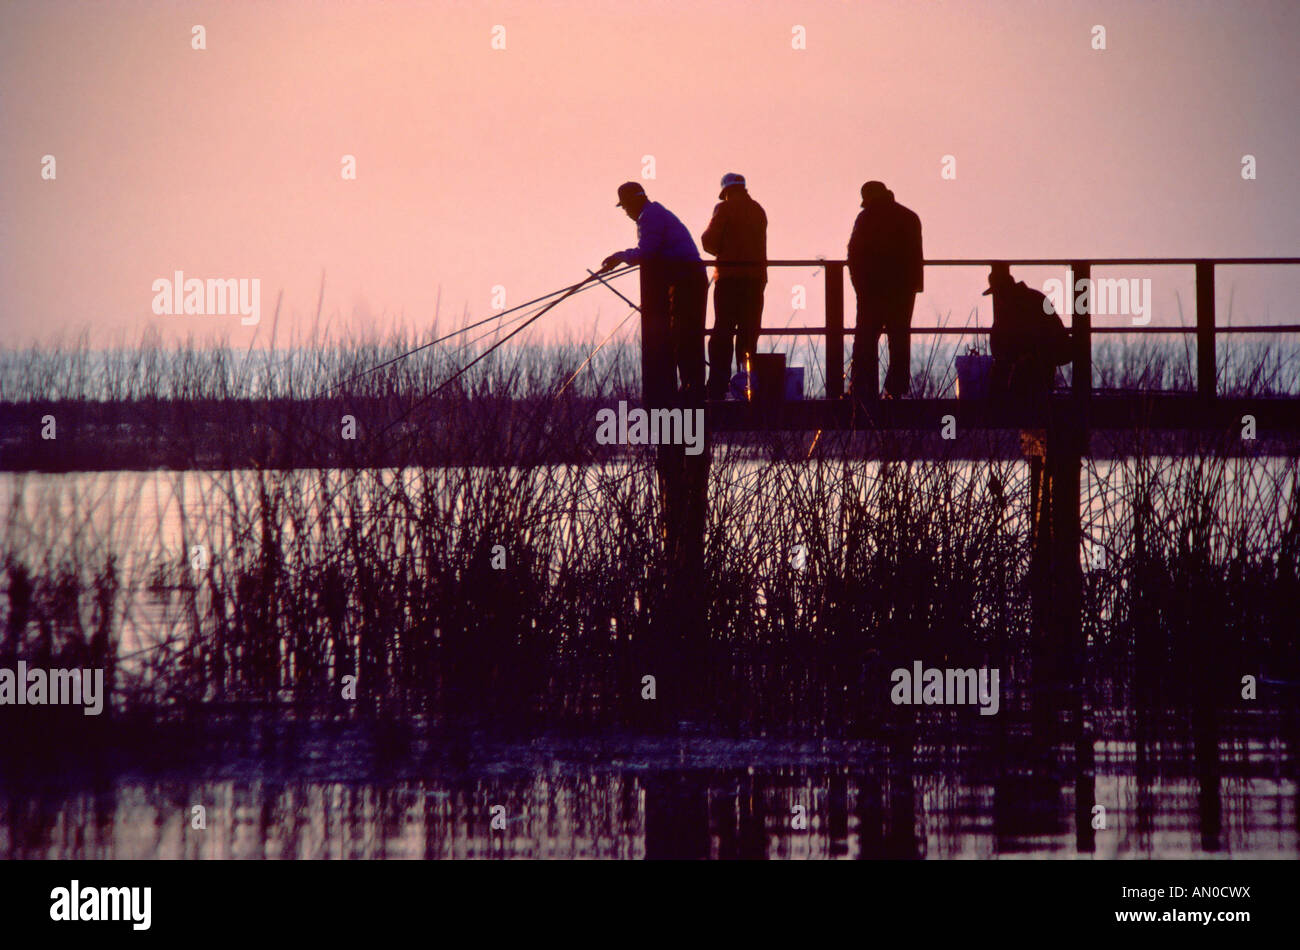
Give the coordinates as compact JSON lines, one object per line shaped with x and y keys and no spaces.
{"x":565,"y":291}
{"x":568,"y":292}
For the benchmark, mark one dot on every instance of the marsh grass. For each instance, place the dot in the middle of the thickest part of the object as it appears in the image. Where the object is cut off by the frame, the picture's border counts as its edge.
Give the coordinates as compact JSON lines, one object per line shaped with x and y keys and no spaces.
{"x":387,"y":574}
{"x":315,"y":367}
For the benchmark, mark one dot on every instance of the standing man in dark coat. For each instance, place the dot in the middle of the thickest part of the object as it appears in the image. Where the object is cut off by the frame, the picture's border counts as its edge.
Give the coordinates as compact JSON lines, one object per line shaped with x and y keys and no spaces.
{"x":737,"y":232}
{"x":674,"y":298}
{"x":886,"y":266}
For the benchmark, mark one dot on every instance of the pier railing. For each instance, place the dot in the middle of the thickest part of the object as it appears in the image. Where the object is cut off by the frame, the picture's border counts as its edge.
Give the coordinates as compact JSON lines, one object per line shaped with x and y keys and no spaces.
{"x":1081,"y":329}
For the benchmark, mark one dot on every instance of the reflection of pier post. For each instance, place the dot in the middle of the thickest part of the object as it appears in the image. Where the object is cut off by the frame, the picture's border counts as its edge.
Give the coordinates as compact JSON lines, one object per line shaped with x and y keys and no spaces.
{"x":1205,"y":742}
{"x":1056,"y":590}
{"x":680,"y":616}
{"x":676,"y":815}
{"x":1055,"y":572}
{"x":677,"y":602}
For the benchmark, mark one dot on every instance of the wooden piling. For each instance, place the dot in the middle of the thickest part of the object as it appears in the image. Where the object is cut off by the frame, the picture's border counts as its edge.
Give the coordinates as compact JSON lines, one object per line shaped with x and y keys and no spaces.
{"x":1059,"y":704}
{"x":835,"y":332}
{"x":680,"y":625}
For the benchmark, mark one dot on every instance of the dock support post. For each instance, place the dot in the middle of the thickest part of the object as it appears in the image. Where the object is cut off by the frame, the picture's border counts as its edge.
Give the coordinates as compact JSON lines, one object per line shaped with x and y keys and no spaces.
{"x":681,"y":617}
{"x":835,"y":332}
{"x":1081,"y":336}
{"x":1056,"y":590}
{"x":1205,"y":356}
{"x":1056,"y":573}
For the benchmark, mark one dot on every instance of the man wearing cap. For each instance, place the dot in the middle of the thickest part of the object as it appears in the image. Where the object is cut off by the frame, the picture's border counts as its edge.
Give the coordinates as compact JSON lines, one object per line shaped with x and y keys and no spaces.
{"x":737,"y":232}
{"x":887,"y":267}
{"x":674,"y":298}
{"x":1028,"y":339}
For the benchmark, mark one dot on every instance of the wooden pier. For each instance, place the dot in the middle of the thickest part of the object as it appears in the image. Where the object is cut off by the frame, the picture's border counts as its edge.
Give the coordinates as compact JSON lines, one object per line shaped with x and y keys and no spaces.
{"x":1206,"y":329}
{"x":1055,"y":438}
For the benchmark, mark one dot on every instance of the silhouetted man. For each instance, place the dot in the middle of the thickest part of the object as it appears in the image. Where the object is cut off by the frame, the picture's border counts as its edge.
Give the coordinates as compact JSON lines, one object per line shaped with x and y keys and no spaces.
{"x":737,"y":232}
{"x":674,"y":298}
{"x":1028,"y":339}
{"x":886,"y":266}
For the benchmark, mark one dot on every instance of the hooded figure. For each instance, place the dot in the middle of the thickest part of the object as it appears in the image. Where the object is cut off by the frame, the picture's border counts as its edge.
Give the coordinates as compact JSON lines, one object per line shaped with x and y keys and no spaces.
{"x":886,"y":266}
{"x":1028,"y":339}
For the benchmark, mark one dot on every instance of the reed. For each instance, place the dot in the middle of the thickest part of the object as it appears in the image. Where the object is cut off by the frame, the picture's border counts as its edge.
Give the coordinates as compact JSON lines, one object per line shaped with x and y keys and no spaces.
{"x":314,"y":367}
{"x":531,"y":594}
{"x":527,"y":594}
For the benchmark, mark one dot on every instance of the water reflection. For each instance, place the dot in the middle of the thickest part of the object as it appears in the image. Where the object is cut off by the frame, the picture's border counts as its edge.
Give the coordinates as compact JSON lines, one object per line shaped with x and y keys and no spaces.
{"x":682,"y":800}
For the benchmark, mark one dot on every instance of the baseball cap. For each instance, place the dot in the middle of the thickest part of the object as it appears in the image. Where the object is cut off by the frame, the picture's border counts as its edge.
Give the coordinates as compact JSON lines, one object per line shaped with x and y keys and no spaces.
{"x":874,"y":189}
{"x":627,"y":190}
{"x":729,"y":179}
{"x":999,"y":274}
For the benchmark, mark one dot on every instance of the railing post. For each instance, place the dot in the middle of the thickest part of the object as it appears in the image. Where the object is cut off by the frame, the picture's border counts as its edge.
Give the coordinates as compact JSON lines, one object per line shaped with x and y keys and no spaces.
{"x":1205,"y":361}
{"x":834,"y":330}
{"x":1081,"y":334}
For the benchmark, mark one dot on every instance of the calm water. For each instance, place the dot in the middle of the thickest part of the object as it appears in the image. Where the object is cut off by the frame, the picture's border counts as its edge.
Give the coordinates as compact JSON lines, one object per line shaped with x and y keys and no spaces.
{"x":680,"y":797}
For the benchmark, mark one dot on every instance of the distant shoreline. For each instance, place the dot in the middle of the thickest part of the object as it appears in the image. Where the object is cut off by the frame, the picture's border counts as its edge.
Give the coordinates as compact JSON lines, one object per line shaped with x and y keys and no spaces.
{"x":223,"y":435}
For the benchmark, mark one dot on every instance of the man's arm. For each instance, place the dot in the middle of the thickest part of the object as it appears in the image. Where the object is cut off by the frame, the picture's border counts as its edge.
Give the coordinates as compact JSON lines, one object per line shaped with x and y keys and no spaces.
{"x":918,"y":256}
{"x":631,"y":256}
{"x":649,"y":237}
{"x":711,"y":239}
{"x":857,"y":242}
{"x":651,"y":234}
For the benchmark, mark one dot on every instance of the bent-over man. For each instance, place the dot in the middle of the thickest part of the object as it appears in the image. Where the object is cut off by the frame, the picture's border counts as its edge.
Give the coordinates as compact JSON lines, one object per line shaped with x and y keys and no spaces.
{"x":674,"y":298}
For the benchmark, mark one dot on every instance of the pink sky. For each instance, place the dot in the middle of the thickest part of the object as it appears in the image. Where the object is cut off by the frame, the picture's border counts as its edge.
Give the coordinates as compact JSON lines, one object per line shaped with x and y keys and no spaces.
{"x":478,"y":167}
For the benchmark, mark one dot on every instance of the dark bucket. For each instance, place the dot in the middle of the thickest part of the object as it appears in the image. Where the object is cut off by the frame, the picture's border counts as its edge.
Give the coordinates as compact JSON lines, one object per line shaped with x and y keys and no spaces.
{"x":766,"y":378}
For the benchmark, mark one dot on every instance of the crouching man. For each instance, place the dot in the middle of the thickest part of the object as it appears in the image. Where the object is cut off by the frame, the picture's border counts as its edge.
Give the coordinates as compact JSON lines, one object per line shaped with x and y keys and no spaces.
{"x":1028,"y":339}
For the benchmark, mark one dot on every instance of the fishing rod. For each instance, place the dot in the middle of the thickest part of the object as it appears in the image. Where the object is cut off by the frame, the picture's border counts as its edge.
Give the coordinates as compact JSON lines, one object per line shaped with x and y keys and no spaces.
{"x":566,"y":291}
{"x":600,"y":346}
{"x":497,"y":329}
{"x":630,"y":314}
{"x":494,"y":330}
{"x":569,"y":292}
{"x":596,"y":274}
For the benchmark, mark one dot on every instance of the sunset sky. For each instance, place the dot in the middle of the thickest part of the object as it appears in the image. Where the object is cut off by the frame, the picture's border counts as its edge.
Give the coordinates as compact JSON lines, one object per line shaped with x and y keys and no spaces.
{"x":479,"y":167}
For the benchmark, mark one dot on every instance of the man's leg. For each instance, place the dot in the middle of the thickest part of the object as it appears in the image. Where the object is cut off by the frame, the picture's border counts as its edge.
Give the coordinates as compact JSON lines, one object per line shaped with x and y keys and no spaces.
{"x":690,"y":301}
{"x":865,"y":376}
{"x":658,"y":377}
{"x":750,"y":320}
{"x":899,"y":378}
{"x":726,"y":312}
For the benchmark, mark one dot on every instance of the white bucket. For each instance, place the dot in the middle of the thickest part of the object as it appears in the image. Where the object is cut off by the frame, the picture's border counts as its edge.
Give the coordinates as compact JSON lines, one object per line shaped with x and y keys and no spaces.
{"x":793,"y":383}
{"x":973,"y":373}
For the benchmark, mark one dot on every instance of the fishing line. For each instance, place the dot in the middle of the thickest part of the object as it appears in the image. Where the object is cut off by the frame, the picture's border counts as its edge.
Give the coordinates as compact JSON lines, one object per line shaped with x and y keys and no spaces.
{"x":568,"y":292}
{"x":573,"y":288}
{"x":592,"y":355}
{"x":563,"y":293}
